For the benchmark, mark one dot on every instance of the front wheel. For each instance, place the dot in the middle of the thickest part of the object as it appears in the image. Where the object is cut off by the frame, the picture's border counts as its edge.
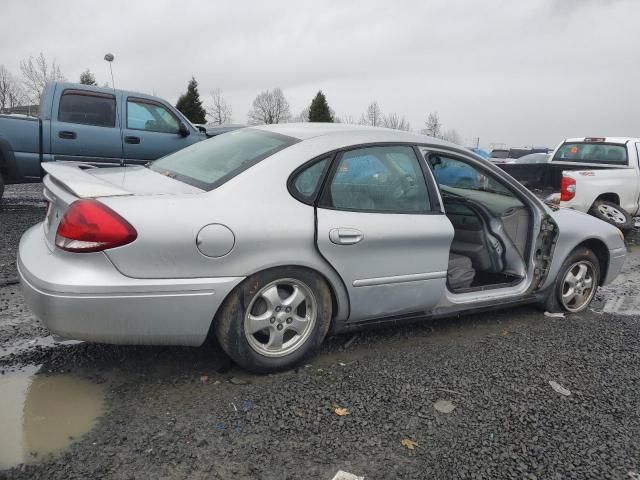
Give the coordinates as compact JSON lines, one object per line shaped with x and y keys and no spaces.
{"x":576,"y":283}
{"x":613,"y":214}
{"x":274,"y":319}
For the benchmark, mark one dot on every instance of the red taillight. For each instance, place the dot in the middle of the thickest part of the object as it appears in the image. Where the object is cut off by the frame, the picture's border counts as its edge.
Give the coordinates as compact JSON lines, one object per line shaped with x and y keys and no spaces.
{"x":567,"y":189}
{"x":90,"y":226}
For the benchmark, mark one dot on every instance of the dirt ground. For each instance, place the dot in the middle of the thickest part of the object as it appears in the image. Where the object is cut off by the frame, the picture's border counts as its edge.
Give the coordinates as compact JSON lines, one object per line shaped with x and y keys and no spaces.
{"x":174,"y":413}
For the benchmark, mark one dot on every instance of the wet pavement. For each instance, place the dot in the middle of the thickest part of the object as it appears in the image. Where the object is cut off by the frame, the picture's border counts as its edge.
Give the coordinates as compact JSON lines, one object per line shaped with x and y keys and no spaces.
{"x":80,"y":410}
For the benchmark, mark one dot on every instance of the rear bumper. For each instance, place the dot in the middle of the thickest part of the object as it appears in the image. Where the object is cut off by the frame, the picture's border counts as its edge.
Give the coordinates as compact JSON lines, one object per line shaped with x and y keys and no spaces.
{"x":84,"y":297}
{"x":616,"y":261}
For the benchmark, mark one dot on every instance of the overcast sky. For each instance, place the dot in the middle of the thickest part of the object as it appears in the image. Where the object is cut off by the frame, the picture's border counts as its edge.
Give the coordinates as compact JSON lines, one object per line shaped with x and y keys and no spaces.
{"x":519,"y":72}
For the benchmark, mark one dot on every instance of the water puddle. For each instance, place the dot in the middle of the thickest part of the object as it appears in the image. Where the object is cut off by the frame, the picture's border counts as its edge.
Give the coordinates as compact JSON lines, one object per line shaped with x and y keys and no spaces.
{"x":42,"y":414}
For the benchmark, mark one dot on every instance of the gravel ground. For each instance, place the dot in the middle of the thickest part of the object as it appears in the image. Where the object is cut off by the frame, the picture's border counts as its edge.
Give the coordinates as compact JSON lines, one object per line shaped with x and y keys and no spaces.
{"x":162,"y":420}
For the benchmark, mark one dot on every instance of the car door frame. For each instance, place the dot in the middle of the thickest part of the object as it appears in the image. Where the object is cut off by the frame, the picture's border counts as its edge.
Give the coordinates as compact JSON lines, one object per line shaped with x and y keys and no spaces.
{"x":319,"y":196}
{"x":541,"y":237}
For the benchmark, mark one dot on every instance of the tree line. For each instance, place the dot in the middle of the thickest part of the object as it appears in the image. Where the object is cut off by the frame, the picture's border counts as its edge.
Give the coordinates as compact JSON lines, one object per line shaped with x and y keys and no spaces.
{"x":269,"y":106}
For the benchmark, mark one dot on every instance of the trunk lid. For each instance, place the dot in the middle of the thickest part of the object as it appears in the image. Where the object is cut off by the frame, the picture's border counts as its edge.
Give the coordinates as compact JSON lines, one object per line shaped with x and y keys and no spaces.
{"x":66,"y":183}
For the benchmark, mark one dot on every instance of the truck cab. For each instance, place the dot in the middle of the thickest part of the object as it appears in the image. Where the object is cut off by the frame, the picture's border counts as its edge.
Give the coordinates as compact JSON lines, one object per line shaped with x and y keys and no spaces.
{"x":94,"y":126}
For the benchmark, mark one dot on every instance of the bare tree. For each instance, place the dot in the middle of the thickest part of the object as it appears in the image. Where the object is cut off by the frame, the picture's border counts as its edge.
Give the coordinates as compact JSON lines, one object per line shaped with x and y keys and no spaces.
{"x":303,"y":116}
{"x":396,"y":122}
{"x":219,"y":110}
{"x":269,"y":107}
{"x":11,"y":92}
{"x":36,"y":73}
{"x":452,"y":136}
{"x":347,"y":118}
{"x":433,"y":126}
{"x":373,"y":115}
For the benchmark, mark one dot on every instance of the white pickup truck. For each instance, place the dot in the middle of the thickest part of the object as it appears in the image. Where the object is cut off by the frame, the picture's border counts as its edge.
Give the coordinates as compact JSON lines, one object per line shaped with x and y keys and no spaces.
{"x":598,"y":175}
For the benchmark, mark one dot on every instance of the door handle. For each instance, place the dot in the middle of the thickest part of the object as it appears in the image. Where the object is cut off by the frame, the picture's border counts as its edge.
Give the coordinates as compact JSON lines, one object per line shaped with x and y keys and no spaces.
{"x":345,"y":236}
{"x":134,"y":140}
{"x":67,"y":135}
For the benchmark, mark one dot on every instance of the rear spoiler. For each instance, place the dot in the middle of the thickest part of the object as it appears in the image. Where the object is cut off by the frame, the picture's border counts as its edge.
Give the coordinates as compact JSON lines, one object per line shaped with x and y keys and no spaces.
{"x":80,"y":182}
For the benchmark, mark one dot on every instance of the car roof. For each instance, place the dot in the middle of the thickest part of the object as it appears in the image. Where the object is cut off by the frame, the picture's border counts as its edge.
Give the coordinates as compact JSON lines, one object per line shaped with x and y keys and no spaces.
{"x":606,"y":139}
{"x":359,"y":133}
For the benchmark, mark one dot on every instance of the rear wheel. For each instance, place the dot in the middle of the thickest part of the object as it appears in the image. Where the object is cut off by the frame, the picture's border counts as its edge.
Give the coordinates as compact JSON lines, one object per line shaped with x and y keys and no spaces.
{"x":274,"y":319}
{"x":576,"y":283}
{"x":613,"y":214}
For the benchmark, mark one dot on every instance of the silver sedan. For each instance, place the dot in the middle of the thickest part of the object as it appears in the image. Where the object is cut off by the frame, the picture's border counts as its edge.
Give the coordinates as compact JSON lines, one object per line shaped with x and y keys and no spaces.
{"x":272,"y":237}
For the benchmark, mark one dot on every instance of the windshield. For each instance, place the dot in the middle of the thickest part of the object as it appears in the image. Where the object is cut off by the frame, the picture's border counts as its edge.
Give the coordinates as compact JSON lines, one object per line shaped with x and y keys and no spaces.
{"x":587,"y":152}
{"x":210,"y":163}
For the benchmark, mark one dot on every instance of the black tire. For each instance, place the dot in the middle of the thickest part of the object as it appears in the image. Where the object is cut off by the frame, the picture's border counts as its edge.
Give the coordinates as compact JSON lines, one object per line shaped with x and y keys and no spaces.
{"x":614,"y":216}
{"x":228,"y":324}
{"x":1,"y":186}
{"x":554,"y":302}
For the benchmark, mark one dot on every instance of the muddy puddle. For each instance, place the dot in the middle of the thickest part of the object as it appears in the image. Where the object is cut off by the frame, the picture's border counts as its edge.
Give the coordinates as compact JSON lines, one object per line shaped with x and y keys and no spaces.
{"x":43,"y":414}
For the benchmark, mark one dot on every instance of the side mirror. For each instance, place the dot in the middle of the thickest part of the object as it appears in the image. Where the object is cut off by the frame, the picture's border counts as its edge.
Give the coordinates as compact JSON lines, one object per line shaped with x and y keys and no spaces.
{"x":183,"y":130}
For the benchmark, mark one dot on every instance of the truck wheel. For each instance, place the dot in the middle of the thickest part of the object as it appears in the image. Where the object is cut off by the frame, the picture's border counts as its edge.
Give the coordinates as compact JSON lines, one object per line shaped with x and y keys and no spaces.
{"x":1,"y":186}
{"x":613,"y":214}
{"x":274,"y":319}
{"x":576,"y":283}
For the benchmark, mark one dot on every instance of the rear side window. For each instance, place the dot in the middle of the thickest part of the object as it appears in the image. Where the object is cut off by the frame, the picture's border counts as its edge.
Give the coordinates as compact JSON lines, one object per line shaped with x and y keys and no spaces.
{"x":87,"y":109}
{"x":306,"y":183}
{"x":588,"y":152}
{"x":379,"y":179}
{"x":210,"y":163}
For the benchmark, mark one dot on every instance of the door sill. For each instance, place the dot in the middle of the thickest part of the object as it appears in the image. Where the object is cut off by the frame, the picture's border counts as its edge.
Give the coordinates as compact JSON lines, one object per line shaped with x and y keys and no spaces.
{"x":482,"y":288}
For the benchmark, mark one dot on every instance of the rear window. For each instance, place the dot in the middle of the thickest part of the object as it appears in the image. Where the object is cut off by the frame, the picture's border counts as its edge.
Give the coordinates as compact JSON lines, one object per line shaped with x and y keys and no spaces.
{"x":210,"y":163}
{"x":588,"y":152}
{"x":87,"y":108}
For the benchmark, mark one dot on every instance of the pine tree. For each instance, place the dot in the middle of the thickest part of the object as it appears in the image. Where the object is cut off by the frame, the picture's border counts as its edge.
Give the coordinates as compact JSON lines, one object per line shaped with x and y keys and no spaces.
{"x":190,"y":104}
{"x":87,"y":78}
{"x":319,"y":110}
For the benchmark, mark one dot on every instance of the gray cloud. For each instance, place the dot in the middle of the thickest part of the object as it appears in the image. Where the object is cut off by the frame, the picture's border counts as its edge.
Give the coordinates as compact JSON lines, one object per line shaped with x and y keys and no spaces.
{"x":515,"y":72}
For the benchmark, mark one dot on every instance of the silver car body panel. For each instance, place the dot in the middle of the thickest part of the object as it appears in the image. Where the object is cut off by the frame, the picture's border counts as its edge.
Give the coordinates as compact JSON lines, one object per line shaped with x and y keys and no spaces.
{"x":395,"y":269}
{"x":84,"y":297}
{"x":576,"y":228}
{"x":162,"y":289}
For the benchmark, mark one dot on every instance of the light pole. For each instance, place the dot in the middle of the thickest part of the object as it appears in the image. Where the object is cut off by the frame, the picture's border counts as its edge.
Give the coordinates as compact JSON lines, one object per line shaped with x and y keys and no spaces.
{"x":109,"y":58}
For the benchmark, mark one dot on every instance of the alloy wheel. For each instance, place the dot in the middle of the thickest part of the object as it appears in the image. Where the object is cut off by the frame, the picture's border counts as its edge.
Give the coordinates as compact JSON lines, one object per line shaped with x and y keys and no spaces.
{"x":612,"y":213}
{"x":280,"y":317}
{"x":578,"y":286}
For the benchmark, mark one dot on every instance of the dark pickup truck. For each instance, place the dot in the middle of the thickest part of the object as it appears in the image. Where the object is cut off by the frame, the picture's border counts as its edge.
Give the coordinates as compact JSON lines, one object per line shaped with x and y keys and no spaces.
{"x":91,"y":125}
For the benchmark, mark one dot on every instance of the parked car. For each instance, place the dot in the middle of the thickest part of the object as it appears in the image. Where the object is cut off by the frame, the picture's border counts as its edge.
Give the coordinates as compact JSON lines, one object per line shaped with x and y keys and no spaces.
{"x":597,"y":175}
{"x":271,"y":237}
{"x":92,"y":125}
